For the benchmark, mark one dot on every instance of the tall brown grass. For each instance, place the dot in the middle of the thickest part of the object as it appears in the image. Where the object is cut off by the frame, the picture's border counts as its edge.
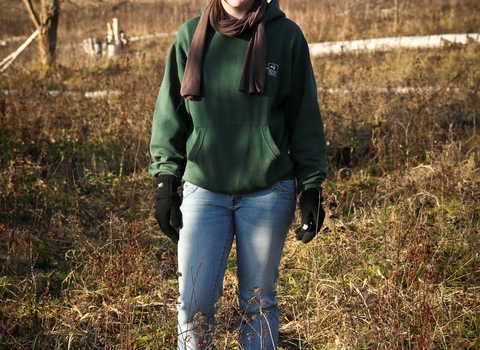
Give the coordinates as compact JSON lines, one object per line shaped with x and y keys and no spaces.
{"x":83,"y":264}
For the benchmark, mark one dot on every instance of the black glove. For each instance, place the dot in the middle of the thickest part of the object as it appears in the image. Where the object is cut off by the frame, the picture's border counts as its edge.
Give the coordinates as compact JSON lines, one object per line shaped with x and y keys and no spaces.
{"x":167,"y":208}
{"x":312,"y":214}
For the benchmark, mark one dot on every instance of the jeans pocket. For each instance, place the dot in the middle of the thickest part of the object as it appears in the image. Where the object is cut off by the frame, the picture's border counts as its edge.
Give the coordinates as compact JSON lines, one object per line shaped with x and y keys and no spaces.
{"x":188,"y":189}
{"x":285,"y":189}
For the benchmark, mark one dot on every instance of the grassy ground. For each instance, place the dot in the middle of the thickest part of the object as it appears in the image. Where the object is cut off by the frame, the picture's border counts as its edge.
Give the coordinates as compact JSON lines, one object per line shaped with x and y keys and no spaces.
{"x":396,"y":266}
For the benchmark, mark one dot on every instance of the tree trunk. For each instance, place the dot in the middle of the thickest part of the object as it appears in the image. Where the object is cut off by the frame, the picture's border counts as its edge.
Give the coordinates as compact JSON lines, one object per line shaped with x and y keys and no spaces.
{"x":49,"y":13}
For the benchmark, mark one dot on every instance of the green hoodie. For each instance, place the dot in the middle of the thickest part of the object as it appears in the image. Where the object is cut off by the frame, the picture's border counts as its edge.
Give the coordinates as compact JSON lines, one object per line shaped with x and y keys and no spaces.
{"x":232,"y":142}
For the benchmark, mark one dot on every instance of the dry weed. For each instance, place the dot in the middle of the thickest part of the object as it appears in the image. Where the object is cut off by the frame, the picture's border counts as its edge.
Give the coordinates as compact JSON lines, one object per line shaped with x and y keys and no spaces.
{"x":83,"y":264}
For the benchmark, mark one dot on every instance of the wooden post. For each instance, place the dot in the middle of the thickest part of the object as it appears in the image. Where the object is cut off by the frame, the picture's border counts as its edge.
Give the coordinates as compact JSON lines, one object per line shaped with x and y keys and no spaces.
{"x":395,"y":24}
{"x":453,"y":4}
{"x":98,"y":48}
{"x":367,"y":9}
{"x":93,"y":47}
{"x":118,"y":35}
{"x":116,"y":31}
{"x":115,"y":41}
{"x":87,"y":46}
{"x":111,"y":49}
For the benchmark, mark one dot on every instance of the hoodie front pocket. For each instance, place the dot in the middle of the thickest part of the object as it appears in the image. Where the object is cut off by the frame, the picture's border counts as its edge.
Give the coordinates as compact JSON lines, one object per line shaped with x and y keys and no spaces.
{"x":239,"y":159}
{"x":194,"y":144}
{"x":270,"y":142}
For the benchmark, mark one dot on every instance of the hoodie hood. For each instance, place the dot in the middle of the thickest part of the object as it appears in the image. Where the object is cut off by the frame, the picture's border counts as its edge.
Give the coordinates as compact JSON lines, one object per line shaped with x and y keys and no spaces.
{"x":273,"y":11}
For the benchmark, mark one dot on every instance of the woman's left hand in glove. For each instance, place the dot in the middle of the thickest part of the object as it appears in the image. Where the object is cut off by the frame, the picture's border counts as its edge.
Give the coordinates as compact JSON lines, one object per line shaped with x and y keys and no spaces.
{"x":312,"y":215}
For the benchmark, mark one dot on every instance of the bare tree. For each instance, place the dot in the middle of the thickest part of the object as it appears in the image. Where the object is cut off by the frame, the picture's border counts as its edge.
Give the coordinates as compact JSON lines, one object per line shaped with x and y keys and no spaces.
{"x":46,"y":21}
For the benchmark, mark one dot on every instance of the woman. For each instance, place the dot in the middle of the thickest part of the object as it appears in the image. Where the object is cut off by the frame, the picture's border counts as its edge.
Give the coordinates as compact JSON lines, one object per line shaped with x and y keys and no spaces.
{"x":237,"y":118}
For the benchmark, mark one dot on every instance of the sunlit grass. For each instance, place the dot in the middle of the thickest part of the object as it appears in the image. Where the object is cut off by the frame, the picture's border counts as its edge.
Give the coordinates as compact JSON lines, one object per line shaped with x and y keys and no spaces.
{"x":82,"y":261}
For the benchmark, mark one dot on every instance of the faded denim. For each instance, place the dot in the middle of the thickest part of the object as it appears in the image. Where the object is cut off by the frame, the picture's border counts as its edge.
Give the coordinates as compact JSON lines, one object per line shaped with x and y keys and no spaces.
{"x":259,"y":223}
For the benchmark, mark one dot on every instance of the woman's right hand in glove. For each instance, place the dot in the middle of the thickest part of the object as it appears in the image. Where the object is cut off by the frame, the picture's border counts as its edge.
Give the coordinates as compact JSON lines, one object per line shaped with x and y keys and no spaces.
{"x":167,"y":207}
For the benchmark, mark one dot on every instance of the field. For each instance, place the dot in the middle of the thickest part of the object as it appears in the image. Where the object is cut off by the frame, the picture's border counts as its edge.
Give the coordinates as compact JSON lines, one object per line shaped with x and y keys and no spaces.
{"x":83,"y":264}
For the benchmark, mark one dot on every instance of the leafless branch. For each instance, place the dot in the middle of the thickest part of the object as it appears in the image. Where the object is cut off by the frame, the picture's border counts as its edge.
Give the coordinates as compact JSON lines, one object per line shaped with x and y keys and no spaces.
{"x":11,"y":336}
{"x":31,"y":12}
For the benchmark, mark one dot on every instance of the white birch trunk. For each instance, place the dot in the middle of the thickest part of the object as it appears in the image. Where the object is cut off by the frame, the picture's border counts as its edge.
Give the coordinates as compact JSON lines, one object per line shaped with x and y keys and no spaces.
{"x":386,"y":44}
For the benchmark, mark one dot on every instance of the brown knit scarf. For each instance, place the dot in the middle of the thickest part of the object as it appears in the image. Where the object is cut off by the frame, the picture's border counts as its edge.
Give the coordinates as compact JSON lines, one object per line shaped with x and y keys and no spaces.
{"x":254,"y":62}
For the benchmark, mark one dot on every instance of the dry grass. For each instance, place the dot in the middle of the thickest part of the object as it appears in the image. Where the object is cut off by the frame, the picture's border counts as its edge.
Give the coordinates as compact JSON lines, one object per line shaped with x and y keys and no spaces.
{"x":83,"y":264}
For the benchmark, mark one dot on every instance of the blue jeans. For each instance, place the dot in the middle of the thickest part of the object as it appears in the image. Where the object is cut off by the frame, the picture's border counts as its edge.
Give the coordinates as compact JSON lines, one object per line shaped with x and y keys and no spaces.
{"x":259,"y":222}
